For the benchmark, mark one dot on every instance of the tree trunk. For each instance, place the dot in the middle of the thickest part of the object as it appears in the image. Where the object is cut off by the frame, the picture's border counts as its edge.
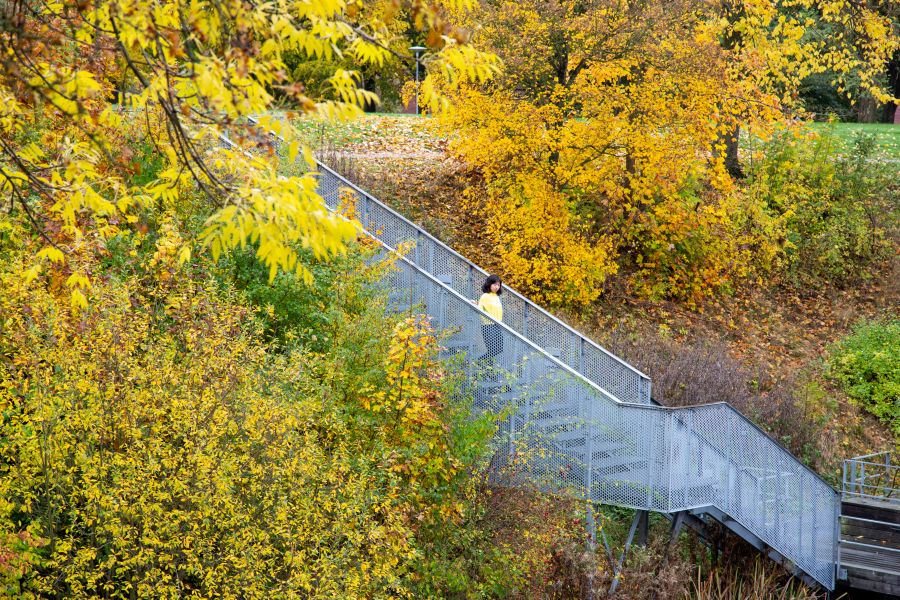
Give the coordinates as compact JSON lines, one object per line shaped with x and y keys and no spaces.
{"x":732,"y":161}
{"x":892,"y":110}
{"x":866,"y":110}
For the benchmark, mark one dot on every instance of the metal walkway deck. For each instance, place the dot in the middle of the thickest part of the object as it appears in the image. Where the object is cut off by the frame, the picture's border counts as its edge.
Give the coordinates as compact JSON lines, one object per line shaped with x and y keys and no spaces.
{"x":580,"y":421}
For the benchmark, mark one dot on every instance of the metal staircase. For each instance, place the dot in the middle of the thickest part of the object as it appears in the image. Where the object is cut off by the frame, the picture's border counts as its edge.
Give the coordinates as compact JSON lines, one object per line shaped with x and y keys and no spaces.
{"x":576,"y":419}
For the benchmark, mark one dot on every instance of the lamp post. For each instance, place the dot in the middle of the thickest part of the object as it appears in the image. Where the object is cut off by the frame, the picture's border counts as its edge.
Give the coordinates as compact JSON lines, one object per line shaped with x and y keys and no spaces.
{"x":417,"y":50}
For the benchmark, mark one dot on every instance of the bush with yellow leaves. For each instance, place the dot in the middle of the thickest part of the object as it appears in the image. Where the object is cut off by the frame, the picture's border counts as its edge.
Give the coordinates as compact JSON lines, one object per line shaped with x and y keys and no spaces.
{"x":155,"y":446}
{"x":539,"y":244}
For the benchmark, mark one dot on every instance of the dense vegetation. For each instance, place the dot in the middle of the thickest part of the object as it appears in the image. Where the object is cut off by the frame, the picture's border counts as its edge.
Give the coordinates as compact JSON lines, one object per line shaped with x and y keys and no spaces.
{"x":201,"y":391}
{"x":867,"y":365}
{"x":155,"y":444}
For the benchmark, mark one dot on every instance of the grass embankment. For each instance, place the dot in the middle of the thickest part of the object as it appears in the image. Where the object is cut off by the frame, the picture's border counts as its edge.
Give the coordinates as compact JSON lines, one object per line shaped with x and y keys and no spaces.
{"x":885,"y":135}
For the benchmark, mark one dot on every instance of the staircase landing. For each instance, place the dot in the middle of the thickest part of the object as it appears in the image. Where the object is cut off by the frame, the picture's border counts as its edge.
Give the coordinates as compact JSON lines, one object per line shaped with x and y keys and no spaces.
{"x":870,"y":547}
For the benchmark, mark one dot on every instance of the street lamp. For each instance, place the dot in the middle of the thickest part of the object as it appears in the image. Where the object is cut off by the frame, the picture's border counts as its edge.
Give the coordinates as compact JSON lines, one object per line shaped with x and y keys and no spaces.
{"x":418,"y":50}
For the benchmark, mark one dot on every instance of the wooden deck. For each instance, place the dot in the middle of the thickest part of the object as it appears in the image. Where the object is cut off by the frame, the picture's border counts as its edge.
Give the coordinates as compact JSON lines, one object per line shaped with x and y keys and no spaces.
{"x":870,"y":548}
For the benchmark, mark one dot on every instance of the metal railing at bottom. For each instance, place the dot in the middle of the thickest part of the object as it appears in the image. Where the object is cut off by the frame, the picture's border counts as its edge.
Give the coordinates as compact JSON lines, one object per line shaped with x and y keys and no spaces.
{"x":870,"y":545}
{"x":872,"y":476}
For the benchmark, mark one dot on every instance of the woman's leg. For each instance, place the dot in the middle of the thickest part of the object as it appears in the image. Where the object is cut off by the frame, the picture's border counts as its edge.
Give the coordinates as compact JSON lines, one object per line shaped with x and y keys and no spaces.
{"x":486,"y":336}
{"x":494,"y":340}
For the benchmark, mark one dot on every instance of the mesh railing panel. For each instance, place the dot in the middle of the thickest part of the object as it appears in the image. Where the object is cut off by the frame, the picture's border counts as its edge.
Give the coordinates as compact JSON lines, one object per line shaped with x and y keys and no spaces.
{"x":563,"y":431}
{"x":523,"y":316}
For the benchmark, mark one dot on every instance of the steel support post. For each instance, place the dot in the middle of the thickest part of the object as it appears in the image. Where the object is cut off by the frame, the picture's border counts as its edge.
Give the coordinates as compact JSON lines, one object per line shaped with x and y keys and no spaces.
{"x":628,"y":540}
{"x":643,"y":528}
{"x":416,"y":253}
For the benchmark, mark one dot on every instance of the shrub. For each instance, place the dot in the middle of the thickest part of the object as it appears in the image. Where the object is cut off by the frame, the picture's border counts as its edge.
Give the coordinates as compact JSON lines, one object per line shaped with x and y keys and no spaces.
{"x":694,"y":244}
{"x":691,"y":373}
{"x":836,"y":213}
{"x":152,"y":445}
{"x":867,"y":365}
{"x":291,"y":312}
{"x":540,"y":246}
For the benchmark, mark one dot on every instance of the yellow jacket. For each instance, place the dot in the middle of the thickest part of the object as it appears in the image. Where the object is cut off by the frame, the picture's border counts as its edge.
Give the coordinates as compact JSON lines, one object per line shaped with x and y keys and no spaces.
{"x":490,"y":303}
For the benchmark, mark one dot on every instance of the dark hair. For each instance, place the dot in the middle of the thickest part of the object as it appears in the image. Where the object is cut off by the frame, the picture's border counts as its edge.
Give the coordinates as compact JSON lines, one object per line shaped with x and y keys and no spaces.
{"x":491,"y":280}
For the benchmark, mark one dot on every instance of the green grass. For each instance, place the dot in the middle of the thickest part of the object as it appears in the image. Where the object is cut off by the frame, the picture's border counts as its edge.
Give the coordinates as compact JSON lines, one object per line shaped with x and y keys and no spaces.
{"x":887,"y":136}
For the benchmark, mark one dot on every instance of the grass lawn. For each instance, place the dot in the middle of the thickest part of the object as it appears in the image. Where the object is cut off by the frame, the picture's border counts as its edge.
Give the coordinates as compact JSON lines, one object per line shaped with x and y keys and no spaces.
{"x":887,"y":136}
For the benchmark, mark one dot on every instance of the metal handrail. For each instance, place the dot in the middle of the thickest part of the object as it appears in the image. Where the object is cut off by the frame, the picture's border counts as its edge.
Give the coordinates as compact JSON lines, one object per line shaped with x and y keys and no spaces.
{"x":885,"y":453}
{"x":857,"y":473}
{"x":875,"y":521}
{"x":700,"y":440}
{"x":874,"y":546}
{"x":644,"y":394}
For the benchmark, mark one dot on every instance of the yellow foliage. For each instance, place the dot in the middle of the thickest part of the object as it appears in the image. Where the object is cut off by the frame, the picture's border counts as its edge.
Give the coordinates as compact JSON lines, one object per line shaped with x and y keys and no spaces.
{"x":153,"y":447}
{"x":626,"y":118}
{"x":185,"y":72}
{"x":540,"y":247}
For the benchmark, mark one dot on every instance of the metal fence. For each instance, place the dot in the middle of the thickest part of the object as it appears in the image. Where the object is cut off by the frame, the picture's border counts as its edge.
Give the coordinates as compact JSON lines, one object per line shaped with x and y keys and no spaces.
{"x":872,"y":476}
{"x":564,"y":426}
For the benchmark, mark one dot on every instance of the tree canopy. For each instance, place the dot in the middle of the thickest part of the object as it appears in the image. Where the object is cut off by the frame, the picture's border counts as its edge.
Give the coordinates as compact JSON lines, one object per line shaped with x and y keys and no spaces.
{"x":188,"y":71}
{"x":625,"y":117}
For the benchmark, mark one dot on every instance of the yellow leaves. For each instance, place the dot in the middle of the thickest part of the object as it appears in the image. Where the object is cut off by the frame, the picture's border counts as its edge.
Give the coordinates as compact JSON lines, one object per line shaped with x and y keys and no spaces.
{"x":195,"y":68}
{"x":626,"y":137}
{"x":184,"y":255}
{"x":368,"y":53}
{"x":31,"y":273}
{"x":78,"y":300}
{"x":52,"y":253}
{"x":540,"y":247}
{"x":278,"y":214}
{"x":344,"y":85}
{"x":77,"y":280}
{"x":32,"y":153}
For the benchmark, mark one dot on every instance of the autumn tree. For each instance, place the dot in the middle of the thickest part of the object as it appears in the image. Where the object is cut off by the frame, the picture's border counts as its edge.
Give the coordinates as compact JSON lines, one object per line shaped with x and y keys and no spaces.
{"x":196,"y":68}
{"x":632,"y":117}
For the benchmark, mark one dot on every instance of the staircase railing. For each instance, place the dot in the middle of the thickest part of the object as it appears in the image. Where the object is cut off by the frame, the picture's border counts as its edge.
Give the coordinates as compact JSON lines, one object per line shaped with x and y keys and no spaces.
{"x":872,"y":476}
{"x":562,"y":431}
{"x":575,"y":349}
{"x":566,"y":433}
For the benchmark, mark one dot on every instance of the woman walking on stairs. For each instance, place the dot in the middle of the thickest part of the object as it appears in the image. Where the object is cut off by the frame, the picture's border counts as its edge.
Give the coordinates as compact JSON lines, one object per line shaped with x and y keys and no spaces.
{"x":490,"y":303}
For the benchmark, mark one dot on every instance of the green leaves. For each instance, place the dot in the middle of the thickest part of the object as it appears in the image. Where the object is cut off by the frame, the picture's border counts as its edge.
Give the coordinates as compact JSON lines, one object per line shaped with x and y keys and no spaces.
{"x":867,"y":364}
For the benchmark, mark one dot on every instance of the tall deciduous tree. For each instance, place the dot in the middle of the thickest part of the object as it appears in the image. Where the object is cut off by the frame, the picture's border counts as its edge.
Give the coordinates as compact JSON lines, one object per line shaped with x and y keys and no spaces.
{"x":634,"y":111}
{"x":195,"y":68}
